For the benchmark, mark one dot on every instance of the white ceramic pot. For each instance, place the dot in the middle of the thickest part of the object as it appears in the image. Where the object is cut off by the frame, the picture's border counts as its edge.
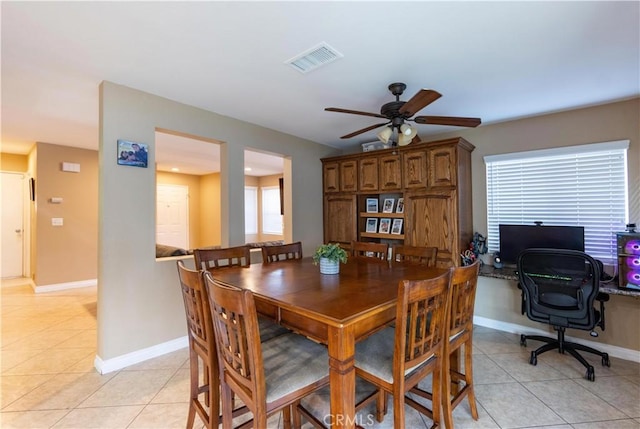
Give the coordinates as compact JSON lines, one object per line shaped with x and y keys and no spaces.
{"x":329,"y":267}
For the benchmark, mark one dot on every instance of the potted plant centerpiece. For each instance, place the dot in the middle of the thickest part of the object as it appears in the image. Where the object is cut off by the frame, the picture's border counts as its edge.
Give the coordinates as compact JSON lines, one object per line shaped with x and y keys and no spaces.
{"x":329,"y":256}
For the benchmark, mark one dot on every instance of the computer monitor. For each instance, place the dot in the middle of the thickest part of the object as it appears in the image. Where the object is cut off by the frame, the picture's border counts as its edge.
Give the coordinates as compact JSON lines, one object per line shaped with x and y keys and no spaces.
{"x":515,"y":238}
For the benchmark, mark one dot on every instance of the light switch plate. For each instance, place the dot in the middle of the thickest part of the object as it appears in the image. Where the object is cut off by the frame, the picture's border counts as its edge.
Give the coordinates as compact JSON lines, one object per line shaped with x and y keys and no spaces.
{"x":57,"y":221}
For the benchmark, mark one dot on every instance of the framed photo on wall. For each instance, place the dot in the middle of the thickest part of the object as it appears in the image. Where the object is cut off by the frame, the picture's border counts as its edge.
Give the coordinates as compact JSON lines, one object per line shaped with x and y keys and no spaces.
{"x":132,"y":153}
{"x":385,"y":226}
{"x":388,"y":205}
{"x":396,"y":228}
{"x":372,"y":224}
{"x":400,"y":206}
{"x":372,"y":205}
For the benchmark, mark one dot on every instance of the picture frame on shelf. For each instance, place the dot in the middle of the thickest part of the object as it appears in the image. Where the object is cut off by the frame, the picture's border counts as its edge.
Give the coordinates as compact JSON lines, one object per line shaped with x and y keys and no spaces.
{"x":385,"y":226}
{"x":388,"y":205}
{"x":396,"y":227}
{"x":400,"y":206}
{"x":372,"y":205}
{"x":372,"y":224}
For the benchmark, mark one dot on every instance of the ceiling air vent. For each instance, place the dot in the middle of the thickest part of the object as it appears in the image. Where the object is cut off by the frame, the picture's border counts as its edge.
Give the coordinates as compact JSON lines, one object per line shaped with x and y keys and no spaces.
{"x":313,"y":58}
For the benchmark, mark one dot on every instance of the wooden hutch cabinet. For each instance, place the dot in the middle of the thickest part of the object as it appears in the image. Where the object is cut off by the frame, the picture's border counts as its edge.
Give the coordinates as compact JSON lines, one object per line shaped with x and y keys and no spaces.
{"x":430,"y":188}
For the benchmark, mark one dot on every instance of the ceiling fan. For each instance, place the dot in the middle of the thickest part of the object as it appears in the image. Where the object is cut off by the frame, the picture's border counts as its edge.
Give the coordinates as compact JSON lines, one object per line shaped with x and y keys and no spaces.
{"x":398,"y":112}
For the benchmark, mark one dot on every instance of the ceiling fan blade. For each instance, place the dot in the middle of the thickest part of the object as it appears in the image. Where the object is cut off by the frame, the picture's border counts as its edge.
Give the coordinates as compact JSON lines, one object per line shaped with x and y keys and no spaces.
{"x":448,"y":120}
{"x":364,"y":130}
{"x":354,"y":112}
{"x":422,"y":99}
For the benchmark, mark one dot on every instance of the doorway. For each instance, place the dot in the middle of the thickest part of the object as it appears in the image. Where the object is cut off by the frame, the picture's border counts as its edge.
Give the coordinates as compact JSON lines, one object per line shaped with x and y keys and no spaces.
{"x":13,"y":230}
{"x":172,"y":217}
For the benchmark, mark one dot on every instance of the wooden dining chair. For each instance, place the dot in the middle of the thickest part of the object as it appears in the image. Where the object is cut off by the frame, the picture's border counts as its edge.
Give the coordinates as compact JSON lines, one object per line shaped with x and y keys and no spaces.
{"x":203,"y":399}
{"x":209,"y":258}
{"x":240,"y":256}
{"x":421,"y":255}
{"x":281,"y":252}
{"x":396,"y":359}
{"x":364,"y":249}
{"x":460,"y":332}
{"x":267,"y":377}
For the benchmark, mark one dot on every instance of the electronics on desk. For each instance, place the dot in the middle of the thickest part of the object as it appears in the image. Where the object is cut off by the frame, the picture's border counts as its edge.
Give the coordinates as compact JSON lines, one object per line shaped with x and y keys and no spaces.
{"x":497,"y":260}
{"x":628,"y":244}
{"x":515,"y":238}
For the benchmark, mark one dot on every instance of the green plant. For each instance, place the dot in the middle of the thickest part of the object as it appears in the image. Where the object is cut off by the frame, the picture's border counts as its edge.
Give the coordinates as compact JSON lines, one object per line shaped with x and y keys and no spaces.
{"x":331,"y":251}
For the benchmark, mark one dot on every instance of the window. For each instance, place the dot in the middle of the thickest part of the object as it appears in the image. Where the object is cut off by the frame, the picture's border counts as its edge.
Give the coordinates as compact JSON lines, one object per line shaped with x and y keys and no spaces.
{"x":577,"y":186}
{"x":271,"y":217}
{"x":250,"y":210}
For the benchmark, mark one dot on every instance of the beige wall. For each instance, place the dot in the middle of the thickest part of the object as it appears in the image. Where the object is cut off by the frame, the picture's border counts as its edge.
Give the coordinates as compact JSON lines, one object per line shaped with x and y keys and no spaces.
{"x":500,"y":299}
{"x":210,"y":209}
{"x":68,"y":253}
{"x":14,"y":162}
{"x":139,"y":304}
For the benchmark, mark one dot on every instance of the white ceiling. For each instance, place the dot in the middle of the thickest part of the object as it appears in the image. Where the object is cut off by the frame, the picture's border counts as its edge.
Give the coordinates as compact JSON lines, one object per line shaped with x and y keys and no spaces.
{"x":494,"y":60}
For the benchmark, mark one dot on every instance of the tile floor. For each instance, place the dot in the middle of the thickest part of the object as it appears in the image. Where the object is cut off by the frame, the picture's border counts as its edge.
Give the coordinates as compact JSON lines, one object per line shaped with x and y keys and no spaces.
{"x":48,"y":380}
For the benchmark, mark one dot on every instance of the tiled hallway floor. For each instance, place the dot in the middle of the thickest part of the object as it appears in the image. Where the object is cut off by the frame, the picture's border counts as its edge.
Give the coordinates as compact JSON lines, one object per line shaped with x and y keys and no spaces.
{"x":48,"y":378}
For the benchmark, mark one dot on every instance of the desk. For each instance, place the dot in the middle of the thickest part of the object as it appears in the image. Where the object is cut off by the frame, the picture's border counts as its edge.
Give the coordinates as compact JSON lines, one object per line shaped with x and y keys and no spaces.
{"x":509,"y":273}
{"x":336,"y":310}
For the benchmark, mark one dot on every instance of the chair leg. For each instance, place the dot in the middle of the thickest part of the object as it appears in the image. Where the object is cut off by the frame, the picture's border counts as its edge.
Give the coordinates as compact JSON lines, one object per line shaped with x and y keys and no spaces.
{"x":398,"y":409}
{"x":191,"y":416}
{"x":468,"y":378}
{"x":212,"y":396}
{"x":286,"y":417}
{"x":297,"y":420}
{"x":381,"y":405}
{"x":194,"y":380}
{"x":227,"y":407}
{"x":447,"y":409}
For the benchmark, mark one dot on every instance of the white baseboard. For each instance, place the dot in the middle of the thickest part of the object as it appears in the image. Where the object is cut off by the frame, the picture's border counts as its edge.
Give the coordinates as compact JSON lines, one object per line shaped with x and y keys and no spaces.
{"x":123,"y":361}
{"x":614,"y":351}
{"x":64,"y":286}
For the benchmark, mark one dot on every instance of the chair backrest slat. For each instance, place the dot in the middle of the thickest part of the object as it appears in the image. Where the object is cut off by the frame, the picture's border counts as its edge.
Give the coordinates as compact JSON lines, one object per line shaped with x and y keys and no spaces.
{"x":421,"y":315}
{"x":237,"y":335}
{"x":421,"y":255}
{"x":196,"y":305}
{"x":362,"y":249}
{"x":281,"y":252}
{"x":463,"y":296}
{"x":213,"y":259}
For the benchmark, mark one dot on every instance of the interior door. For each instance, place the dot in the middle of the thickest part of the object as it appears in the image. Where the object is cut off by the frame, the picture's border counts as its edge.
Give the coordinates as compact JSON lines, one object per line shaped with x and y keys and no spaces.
{"x":13,"y":202}
{"x":172,"y":217}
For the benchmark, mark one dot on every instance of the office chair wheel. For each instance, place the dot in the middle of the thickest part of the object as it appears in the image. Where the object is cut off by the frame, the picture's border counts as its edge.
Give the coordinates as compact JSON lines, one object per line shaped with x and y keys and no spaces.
{"x":533,"y":360}
{"x":523,"y":341}
{"x":605,"y":360}
{"x":591,"y":375}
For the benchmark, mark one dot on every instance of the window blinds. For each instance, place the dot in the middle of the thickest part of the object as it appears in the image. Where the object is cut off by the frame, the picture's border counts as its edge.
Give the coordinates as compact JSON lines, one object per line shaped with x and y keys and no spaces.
{"x":576,"y":186}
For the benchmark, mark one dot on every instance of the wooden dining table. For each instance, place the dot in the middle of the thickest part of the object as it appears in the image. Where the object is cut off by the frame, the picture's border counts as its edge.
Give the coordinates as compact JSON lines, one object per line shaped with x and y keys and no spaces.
{"x":335,"y":309}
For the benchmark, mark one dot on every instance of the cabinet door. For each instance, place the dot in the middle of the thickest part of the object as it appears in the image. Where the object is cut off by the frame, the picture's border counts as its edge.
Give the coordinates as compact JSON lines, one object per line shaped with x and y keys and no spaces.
{"x":430,"y":221}
{"x":349,"y":176}
{"x":442,"y":166}
{"x":368,"y":174}
{"x":415,"y":169}
{"x":390,"y":173}
{"x":340,"y":219}
{"x":331,"y":177}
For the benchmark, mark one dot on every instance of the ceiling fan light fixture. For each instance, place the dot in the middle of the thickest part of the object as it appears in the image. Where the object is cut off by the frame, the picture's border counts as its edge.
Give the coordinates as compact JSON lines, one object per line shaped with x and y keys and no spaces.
{"x":404,"y":139}
{"x":406,"y":129}
{"x":385,"y":134}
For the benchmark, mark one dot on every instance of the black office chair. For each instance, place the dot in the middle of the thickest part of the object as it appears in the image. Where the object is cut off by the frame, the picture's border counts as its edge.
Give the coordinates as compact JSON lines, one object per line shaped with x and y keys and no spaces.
{"x":559,"y":287}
